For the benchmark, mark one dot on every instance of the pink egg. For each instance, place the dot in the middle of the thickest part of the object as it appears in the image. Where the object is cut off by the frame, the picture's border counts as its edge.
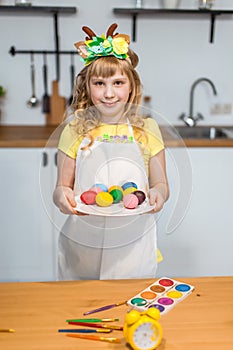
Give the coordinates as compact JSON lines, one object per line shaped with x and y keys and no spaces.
{"x":88,"y":197}
{"x":130,"y":201}
{"x":96,"y":189}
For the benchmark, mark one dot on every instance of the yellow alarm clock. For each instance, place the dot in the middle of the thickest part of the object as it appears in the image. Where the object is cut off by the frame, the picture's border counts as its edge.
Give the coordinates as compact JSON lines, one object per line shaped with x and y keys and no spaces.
{"x":142,"y":329}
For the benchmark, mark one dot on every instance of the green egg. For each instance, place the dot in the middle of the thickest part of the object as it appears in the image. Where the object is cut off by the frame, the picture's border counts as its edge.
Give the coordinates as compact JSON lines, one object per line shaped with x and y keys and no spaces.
{"x":117,"y":195}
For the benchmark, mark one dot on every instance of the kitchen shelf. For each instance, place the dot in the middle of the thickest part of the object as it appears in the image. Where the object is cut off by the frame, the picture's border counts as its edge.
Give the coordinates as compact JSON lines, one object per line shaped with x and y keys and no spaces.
{"x":38,"y":9}
{"x":134,"y":12}
{"x":51,"y":10}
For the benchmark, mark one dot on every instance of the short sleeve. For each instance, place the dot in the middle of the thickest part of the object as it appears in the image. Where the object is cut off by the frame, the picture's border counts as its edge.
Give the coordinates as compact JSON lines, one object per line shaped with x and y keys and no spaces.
{"x":155,"y":140}
{"x":69,"y":141}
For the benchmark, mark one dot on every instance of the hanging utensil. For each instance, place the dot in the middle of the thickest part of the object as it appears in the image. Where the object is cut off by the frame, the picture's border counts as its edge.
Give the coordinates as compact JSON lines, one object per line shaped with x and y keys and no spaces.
{"x":46,"y":97}
{"x":72,"y":76}
{"x":33,"y":101}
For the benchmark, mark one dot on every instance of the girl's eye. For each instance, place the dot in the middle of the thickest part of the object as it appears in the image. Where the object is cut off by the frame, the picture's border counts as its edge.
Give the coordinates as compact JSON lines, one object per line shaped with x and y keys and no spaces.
{"x":119,"y":82}
{"x":98,"y":83}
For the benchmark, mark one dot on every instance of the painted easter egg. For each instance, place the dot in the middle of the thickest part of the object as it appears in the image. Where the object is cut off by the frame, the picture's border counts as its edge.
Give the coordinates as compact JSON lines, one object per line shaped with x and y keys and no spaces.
{"x":128,"y":190}
{"x":141,"y":196}
{"x":96,"y":189}
{"x":88,"y":197}
{"x":104,"y":199}
{"x":117,"y":195}
{"x":129,"y":184}
{"x":115,"y":187}
{"x":102,"y":186}
{"x":130,"y":201}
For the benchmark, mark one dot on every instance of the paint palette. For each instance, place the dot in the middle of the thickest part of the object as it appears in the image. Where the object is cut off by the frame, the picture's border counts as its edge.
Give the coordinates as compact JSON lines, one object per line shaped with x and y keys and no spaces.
{"x":164,"y":294}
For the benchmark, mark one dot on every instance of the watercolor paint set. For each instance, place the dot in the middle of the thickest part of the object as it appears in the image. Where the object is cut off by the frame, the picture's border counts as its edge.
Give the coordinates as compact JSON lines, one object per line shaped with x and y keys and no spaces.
{"x":164,"y":294}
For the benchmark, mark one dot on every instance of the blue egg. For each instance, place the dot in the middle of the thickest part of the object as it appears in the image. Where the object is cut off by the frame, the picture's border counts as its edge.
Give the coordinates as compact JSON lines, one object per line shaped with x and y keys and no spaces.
{"x":103,"y":187}
{"x":129,"y":184}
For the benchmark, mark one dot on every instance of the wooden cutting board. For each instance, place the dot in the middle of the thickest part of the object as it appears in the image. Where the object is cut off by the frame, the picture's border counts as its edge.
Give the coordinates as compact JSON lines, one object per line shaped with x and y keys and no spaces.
{"x":57,"y":106}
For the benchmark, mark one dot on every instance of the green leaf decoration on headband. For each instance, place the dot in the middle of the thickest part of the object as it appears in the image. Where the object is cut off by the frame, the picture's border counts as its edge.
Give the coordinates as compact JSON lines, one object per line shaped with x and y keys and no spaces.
{"x":100,"y":46}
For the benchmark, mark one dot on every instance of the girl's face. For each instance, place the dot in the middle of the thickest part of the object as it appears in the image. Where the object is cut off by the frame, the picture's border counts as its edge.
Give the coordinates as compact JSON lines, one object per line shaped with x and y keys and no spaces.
{"x":110,"y":95}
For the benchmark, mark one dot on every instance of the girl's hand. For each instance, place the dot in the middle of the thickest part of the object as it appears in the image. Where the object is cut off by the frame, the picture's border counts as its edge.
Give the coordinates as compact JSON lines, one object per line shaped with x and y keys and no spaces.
{"x":159,"y":190}
{"x":63,"y":195}
{"x":157,"y":199}
{"x":64,"y":199}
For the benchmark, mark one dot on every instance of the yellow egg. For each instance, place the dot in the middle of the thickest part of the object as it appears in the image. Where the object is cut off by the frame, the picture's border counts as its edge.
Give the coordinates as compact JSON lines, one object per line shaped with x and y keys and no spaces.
{"x":115,"y":187}
{"x":104,"y":199}
{"x":129,"y":190}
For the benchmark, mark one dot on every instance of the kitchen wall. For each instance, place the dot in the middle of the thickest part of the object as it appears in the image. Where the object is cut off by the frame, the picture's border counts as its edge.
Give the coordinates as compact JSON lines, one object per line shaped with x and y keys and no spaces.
{"x":174,"y":51}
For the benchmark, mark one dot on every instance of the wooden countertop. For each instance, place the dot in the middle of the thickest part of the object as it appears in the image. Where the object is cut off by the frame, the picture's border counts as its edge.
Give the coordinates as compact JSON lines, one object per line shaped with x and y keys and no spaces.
{"x":28,"y":136}
{"x":41,"y":136}
{"x":203,"y":321}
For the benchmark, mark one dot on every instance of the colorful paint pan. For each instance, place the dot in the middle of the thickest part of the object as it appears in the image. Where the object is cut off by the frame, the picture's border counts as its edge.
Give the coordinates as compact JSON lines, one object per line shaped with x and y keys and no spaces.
{"x":164,"y":294}
{"x":151,"y":293}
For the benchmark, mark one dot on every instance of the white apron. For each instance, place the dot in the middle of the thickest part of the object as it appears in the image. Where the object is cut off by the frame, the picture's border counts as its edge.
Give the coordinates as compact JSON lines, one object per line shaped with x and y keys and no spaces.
{"x":102,"y":247}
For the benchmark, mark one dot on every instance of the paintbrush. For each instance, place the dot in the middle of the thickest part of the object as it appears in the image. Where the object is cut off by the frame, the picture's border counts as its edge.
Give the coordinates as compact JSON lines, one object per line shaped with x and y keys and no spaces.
{"x":94,"y":320}
{"x":94,"y":337}
{"x":97,"y":325}
{"x":84,"y":330}
{"x":103,"y":308}
{"x":7,"y":330}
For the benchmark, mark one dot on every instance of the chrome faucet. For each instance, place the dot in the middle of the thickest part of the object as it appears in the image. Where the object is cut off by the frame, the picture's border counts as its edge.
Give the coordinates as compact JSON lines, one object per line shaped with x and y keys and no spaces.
{"x":191,"y":120}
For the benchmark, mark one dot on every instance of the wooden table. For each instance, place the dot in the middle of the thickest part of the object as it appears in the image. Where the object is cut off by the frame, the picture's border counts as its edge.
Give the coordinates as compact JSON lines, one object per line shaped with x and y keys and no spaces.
{"x":203,"y":321}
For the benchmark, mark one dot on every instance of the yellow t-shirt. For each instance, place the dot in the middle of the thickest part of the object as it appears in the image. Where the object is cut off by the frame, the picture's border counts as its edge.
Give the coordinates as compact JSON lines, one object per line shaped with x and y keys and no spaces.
{"x":149,"y":140}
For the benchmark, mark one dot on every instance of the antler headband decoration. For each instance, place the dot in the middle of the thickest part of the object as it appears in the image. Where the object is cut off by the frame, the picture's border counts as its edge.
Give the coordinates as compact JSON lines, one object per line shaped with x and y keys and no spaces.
{"x":100,"y":46}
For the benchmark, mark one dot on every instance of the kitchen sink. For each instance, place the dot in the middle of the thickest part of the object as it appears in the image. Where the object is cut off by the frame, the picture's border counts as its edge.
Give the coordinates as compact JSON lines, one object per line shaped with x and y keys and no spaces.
{"x":201,"y":132}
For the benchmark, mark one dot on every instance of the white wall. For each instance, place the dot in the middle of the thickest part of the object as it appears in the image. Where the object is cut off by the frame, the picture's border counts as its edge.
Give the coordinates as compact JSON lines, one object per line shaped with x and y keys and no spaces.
{"x":174,"y":51}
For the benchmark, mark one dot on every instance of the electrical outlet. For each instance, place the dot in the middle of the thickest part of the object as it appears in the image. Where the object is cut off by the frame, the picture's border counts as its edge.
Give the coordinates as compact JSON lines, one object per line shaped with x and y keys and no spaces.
{"x":227,"y":108}
{"x":221,"y":108}
{"x":215,"y":109}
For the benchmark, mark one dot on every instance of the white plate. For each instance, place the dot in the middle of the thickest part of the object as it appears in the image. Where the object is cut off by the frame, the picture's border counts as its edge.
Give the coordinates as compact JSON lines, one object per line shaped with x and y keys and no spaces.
{"x":116,"y":209}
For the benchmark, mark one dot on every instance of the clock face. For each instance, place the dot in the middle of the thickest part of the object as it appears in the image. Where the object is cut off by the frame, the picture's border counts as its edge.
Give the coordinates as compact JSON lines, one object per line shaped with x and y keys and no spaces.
{"x":146,"y":335}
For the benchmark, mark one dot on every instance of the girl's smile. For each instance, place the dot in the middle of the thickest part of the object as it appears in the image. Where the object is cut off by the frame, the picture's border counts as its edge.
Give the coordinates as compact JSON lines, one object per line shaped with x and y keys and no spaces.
{"x":110,"y":95}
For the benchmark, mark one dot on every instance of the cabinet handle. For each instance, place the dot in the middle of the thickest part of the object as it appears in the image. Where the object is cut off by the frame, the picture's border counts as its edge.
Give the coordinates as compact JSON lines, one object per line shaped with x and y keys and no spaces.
{"x":44,"y":159}
{"x":55,"y":159}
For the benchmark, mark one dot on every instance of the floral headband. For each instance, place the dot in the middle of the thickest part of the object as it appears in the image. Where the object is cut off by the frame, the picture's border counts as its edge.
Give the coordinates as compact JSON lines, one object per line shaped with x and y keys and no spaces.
{"x":101,"y":46}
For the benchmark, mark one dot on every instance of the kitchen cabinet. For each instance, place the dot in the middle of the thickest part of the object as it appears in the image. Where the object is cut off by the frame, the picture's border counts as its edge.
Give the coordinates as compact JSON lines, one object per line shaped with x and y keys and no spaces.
{"x":28,"y":236}
{"x":201,"y":244}
{"x":48,"y":178}
{"x":197,"y":242}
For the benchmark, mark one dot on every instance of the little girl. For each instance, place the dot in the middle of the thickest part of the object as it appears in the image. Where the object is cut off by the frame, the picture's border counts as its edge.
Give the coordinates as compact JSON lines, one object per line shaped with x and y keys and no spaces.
{"x":108,"y":142}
